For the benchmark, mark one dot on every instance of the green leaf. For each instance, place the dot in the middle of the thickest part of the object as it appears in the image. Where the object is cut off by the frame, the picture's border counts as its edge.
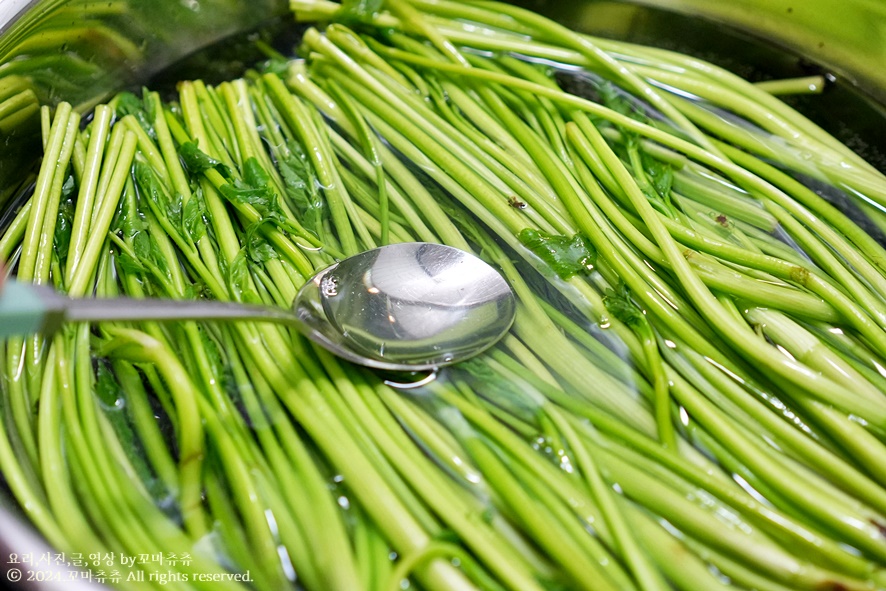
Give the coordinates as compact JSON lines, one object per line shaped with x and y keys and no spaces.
{"x":69,"y":188}
{"x":148,"y":105}
{"x":192,"y":217}
{"x":275,"y":65}
{"x":158,"y":257}
{"x":64,"y":225}
{"x":254,"y":174}
{"x":106,"y":386}
{"x":356,"y":11}
{"x":257,"y":247}
{"x":195,"y":291}
{"x":129,"y":264}
{"x":149,"y":186}
{"x":187,"y":219}
{"x":197,"y":161}
{"x":174,"y":211}
{"x":255,"y":189}
{"x":617,"y":100}
{"x":141,"y":246}
{"x":129,"y":104}
{"x":239,"y":279}
{"x":660,"y":174}
{"x":618,"y":302}
{"x":302,"y":189}
{"x":564,"y":255}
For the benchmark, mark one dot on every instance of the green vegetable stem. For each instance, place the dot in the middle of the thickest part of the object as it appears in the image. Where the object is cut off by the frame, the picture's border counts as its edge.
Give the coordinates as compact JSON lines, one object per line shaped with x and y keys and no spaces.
{"x":692,"y":397}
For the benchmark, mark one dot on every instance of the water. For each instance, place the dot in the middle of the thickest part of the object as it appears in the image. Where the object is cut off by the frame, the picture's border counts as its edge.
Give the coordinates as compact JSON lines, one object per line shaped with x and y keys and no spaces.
{"x":436,"y":428}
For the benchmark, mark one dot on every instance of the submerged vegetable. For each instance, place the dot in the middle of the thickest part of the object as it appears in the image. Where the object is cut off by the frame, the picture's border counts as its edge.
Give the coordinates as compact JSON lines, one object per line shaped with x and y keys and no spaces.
{"x":693,"y":395}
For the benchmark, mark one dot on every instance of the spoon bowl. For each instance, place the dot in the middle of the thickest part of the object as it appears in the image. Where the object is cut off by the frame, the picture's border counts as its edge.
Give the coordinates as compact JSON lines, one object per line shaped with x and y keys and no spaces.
{"x":408,"y":307}
{"x":403,"y":307}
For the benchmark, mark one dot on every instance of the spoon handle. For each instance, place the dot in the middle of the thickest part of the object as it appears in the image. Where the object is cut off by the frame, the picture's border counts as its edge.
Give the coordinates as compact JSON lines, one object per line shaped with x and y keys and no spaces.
{"x":21,"y":311}
{"x":26,"y":309}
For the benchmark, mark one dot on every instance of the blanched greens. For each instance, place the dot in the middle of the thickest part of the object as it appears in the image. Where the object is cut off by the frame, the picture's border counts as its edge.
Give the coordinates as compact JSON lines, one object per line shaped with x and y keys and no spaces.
{"x":693,"y":395}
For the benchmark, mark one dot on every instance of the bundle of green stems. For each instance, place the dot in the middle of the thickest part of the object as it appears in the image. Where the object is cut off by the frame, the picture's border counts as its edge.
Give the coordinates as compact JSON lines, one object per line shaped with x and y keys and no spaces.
{"x":693,"y":395}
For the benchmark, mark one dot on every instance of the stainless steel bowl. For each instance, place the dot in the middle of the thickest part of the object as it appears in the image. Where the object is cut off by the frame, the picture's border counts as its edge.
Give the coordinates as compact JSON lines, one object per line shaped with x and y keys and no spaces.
{"x":82,"y":52}
{"x":126,"y":42}
{"x":123,"y":43}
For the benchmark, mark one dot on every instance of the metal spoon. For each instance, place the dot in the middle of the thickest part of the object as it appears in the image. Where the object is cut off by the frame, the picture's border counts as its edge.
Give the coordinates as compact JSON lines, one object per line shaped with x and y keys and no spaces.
{"x":402,"y":307}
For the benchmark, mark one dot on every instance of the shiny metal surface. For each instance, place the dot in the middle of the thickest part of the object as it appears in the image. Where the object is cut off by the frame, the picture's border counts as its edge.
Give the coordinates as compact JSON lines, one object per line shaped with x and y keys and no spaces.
{"x":17,"y":540}
{"x":83,"y":52}
{"x":414,"y":305}
{"x":402,"y":307}
{"x":845,"y":38}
